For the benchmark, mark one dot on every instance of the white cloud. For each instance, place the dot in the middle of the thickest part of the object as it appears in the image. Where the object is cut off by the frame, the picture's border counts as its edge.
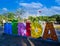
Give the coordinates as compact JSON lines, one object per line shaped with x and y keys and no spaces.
{"x":44,"y":11}
{"x":50,"y":11}
{"x":56,"y":8}
{"x":57,"y":1}
{"x":31,"y":5}
{"x":4,"y":9}
{"x":32,"y":9}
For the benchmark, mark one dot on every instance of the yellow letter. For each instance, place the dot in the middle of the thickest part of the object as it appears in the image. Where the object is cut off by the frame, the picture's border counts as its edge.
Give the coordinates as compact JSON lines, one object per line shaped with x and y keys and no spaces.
{"x":36,"y":30}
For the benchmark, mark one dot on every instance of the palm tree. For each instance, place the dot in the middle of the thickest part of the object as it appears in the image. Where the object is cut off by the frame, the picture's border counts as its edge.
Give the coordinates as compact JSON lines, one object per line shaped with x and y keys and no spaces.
{"x":20,"y":14}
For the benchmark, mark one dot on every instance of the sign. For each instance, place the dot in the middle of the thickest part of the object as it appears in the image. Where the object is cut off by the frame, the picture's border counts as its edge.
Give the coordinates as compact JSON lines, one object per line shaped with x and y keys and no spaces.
{"x":34,"y":30}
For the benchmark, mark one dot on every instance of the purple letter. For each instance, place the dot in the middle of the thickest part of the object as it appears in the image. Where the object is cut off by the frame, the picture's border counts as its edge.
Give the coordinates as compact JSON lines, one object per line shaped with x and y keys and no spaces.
{"x":21,"y":29}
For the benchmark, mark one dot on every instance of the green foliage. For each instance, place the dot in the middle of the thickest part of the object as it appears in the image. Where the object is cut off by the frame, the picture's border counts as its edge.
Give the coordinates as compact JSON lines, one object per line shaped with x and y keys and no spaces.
{"x":42,"y":18}
{"x":57,"y":18}
{"x":10,"y":16}
{"x":14,"y":20}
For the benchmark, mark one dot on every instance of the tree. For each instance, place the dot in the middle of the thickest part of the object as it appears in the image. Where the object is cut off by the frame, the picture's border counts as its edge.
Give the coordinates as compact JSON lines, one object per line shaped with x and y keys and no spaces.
{"x":20,"y":13}
{"x":30,"y":18}
{"x":57,"y":17}
{"x":10,"y":16}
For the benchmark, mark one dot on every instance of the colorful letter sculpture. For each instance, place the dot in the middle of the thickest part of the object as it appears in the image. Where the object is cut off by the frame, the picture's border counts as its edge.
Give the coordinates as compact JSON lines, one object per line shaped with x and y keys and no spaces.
{"x":14,"y":28}
{"x":8,"y":28}
{"x":28,"y":30}
{"x":49,"y":32}
{"x":21,"y":29}
{"x":36,"y":30}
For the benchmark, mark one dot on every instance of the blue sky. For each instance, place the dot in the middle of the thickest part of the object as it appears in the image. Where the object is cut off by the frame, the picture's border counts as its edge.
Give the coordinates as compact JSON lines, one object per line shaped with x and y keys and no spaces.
{"x":47,"y":7}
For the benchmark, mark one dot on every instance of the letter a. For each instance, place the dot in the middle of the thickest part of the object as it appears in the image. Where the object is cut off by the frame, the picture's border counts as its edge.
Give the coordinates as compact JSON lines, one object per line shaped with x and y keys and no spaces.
{"x":49,"y":32}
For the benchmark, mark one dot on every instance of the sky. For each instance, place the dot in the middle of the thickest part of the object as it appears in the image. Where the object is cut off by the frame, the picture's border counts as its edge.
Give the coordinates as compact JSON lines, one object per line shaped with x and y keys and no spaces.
{"x":31,"y":7}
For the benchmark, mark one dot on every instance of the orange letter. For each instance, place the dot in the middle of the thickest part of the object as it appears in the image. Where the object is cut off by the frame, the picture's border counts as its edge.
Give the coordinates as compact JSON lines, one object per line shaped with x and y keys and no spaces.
{"x":49,"y":32}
